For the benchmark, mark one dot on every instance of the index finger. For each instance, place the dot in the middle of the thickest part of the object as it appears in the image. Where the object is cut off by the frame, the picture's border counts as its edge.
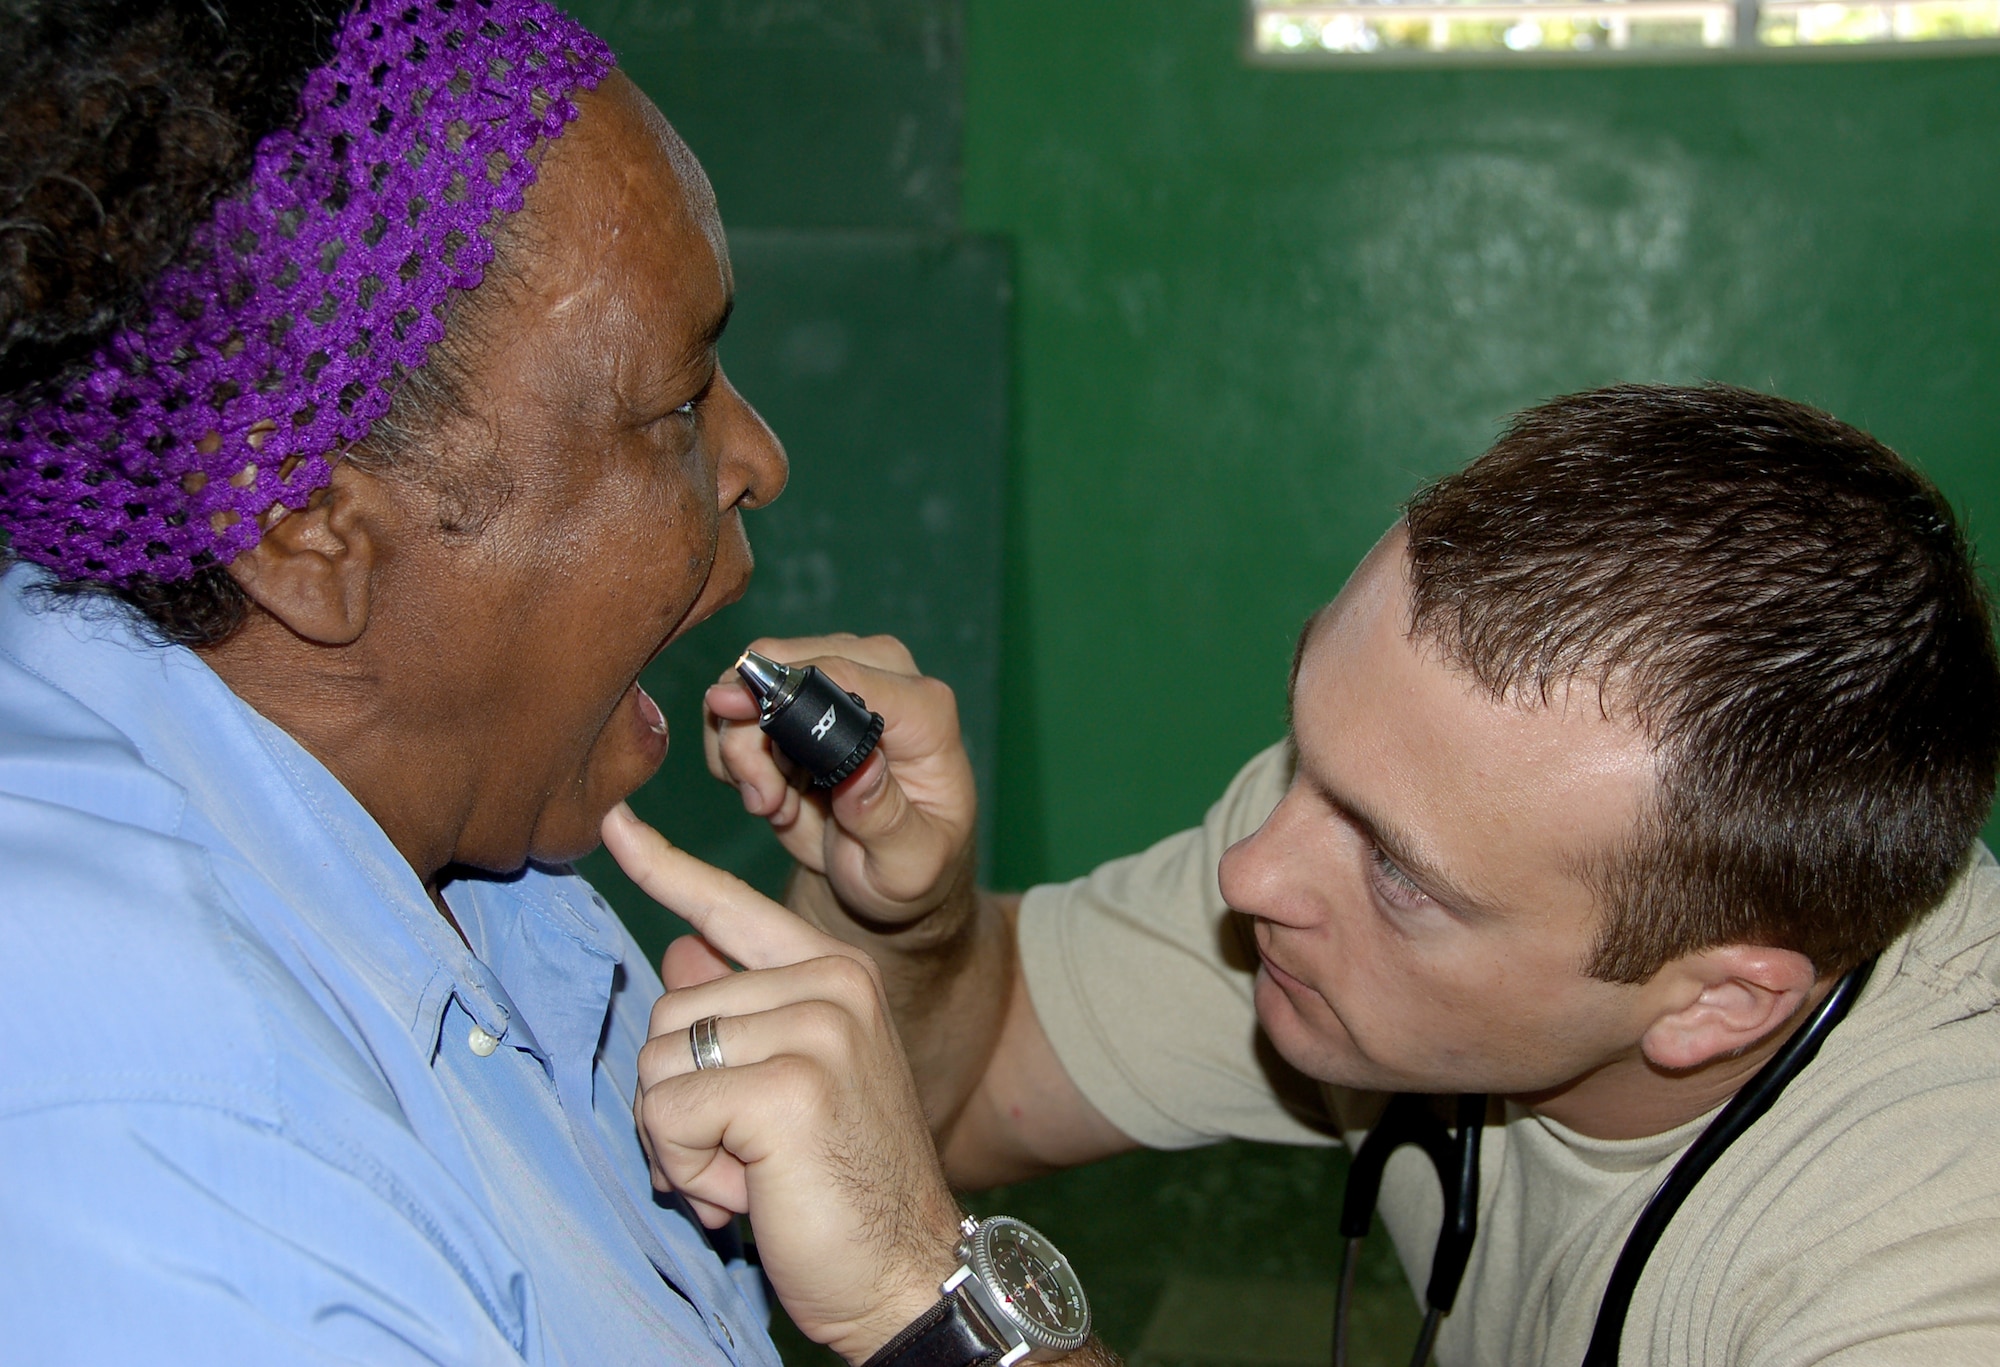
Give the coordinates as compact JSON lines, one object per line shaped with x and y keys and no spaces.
{"x":730,"y":914}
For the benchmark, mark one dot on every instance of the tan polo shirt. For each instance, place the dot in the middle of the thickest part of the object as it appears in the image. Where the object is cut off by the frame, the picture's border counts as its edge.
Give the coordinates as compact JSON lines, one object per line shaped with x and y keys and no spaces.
{"x":1857,"y":1222}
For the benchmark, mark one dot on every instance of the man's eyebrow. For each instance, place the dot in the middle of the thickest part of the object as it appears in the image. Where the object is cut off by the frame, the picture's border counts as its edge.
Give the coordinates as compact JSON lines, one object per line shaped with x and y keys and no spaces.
{"x":1400,"y":849}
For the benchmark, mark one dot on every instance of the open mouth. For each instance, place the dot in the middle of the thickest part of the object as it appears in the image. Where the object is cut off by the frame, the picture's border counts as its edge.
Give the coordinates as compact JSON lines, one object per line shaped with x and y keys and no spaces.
{"x":699,"y":609}
{"x":652,"y":721}
{"x":649,"y":711}
{"x":646,"y":712}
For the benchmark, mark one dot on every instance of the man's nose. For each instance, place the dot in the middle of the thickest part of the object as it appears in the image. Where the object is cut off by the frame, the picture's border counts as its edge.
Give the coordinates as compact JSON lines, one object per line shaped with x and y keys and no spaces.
{"x":1254,"y":877}
{"x":1245,"y":875}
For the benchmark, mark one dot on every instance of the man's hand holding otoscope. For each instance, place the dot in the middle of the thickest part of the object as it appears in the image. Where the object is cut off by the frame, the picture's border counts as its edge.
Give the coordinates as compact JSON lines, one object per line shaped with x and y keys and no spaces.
{"x":894,"y":838}
{"x":885,"y":858}
{"x":758,"y":1087}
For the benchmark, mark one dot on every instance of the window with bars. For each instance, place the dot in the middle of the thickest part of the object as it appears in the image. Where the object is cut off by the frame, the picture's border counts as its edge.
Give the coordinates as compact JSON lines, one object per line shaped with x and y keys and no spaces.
{"x":1363,"y":29}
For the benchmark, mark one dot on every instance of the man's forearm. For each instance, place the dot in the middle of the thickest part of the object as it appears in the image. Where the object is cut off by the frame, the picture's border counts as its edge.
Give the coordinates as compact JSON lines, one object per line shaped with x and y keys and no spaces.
{"x":948,"y":977}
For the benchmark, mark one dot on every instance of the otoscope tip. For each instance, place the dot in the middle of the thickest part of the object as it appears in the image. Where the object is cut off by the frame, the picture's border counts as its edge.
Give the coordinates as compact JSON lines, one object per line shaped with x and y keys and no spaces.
{"x":762,"y":675}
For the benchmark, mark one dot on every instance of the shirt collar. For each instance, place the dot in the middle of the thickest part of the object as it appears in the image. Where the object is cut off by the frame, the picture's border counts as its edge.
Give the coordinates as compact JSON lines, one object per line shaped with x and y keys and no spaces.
{"x":258,"y":799}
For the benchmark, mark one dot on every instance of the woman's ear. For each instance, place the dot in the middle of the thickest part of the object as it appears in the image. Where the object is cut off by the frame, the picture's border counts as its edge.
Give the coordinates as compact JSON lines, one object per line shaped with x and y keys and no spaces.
{"x":314,"y":568}
{"x":1732,"y":997}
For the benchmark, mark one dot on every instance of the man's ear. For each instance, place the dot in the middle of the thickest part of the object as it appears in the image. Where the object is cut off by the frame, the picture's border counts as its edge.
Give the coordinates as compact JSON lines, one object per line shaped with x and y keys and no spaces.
{"x":1724,"y":1000}
{"x":313,"y":569}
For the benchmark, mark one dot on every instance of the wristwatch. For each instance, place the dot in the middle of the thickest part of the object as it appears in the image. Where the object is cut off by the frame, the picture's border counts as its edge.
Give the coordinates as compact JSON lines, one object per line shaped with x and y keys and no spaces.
{"x":1013,"y":1299}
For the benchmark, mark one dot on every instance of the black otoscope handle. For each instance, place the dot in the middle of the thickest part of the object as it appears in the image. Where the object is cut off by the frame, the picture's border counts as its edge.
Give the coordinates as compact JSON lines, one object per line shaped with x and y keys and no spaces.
{"x":1408,"y":1119}
{"x":824,"y":728}
{"x":1743,"y":1111}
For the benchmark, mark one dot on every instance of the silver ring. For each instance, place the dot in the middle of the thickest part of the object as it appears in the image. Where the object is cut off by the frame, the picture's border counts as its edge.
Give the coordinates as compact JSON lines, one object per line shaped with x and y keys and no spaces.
{"x":703,"y":1044}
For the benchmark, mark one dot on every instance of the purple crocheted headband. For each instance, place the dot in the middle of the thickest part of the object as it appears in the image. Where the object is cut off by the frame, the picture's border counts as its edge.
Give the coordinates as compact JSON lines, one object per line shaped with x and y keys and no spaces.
{"x":278,"y":337}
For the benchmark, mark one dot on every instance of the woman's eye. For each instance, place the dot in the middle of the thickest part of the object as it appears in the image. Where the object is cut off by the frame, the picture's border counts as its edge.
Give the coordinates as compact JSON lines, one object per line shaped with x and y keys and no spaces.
{"x":690,"y":409}
{"x":677,"y":426}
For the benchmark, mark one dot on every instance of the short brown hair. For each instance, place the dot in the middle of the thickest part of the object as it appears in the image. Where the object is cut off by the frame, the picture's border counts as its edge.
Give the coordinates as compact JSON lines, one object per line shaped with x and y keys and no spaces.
{"x":1791,"y":613}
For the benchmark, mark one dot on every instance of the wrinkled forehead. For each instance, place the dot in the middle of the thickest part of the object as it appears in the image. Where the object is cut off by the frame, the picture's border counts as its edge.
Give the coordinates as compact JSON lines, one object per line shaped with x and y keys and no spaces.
{"x":694,"y":183}
{"x":625,"y":227}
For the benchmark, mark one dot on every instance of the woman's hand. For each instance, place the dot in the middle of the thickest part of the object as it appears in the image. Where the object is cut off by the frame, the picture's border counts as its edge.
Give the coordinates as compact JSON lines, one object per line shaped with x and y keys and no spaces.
{"x":812,"y":1127}
{"x":895,"y":837}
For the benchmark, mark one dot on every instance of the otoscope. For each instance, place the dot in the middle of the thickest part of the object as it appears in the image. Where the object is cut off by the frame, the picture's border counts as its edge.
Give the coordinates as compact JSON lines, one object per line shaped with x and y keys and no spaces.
{"x":826,"y":730}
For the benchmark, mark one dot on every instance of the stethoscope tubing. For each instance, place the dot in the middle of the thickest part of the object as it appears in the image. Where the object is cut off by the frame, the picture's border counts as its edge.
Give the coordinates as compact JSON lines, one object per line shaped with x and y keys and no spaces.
{"x":1405,"y":1121}
{"x":1745,"y":1109}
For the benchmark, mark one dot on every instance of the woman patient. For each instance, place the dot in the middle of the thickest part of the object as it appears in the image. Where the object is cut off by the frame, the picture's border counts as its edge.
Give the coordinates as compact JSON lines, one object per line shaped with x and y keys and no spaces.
{"x":361,"y":440}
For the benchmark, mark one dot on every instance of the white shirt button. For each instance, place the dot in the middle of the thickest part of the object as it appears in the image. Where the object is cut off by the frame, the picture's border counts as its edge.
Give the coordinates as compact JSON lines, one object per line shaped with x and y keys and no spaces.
{"x":481,"y":1043}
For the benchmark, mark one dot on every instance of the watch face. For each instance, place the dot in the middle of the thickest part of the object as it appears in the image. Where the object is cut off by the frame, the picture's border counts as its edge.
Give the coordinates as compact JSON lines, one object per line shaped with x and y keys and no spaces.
{"x":1034,"y":1282}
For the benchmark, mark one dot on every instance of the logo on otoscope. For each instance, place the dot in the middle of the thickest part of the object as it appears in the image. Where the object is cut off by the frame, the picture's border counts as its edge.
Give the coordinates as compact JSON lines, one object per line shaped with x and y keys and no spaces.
{"x":823,"y":725}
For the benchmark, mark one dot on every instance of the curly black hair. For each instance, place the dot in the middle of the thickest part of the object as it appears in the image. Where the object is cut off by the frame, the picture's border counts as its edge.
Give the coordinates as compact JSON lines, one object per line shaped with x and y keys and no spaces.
{"x":122,"y":122}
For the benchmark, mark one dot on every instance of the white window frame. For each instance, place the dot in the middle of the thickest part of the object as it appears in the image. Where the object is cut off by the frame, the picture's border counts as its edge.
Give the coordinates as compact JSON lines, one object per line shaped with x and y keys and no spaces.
{"x":1742,"y":17}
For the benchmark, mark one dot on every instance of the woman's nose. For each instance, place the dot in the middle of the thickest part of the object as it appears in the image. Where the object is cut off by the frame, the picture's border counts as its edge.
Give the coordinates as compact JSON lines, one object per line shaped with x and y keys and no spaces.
{"x":752,"y":469}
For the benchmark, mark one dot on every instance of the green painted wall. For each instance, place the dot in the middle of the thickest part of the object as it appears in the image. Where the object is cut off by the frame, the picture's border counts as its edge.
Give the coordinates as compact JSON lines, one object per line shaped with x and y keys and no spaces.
{"x":1255,"y":308}
{"x":806,"y":113}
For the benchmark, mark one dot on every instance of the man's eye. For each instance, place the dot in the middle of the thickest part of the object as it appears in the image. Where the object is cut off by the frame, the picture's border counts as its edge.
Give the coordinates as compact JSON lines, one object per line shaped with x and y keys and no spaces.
{"x":686,"y":410}
{"x":1396,"y":885}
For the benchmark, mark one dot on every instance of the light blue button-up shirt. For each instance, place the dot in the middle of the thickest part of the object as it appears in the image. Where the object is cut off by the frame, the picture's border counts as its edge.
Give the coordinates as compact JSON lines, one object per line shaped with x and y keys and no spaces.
{"x":258,"y":1103}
